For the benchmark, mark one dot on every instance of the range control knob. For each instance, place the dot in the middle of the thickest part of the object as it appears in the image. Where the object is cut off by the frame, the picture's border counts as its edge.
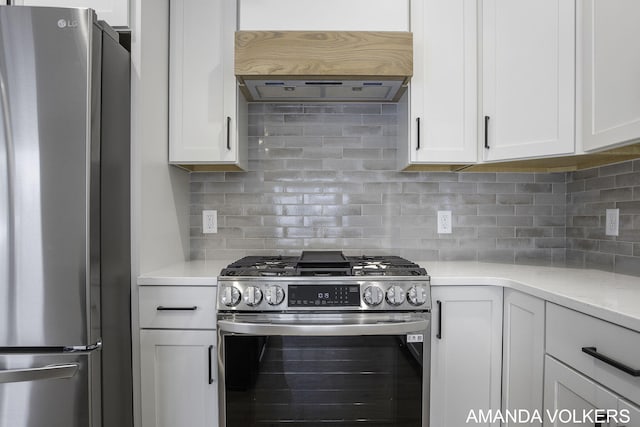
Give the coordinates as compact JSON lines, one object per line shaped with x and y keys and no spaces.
{"x":230,"y":296}
{"x":252,"y":296}
{"x":417,"y":295}
{"x":274,"y":295}
{"x":395,"y":295}
{"x":373,"y":295}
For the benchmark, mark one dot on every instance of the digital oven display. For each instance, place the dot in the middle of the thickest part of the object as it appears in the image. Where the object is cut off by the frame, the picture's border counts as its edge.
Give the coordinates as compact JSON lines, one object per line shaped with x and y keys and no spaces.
{"x":324,"y":296}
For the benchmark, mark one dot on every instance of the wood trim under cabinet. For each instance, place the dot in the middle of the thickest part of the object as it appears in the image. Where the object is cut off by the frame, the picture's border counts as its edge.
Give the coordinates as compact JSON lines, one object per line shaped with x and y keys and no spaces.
{"x":549,"y":164}
{"x":210,"y":168}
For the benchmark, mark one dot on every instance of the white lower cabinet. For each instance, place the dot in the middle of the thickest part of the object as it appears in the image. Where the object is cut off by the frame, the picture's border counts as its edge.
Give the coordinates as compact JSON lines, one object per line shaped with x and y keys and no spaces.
{"x":522,"y":355}
{"x":633,"y":411}
{"x":590,"y":364}
{"x":178,"y":377}
{"x":571,"y":399}
{"x":178,"y":356}
{"x":603,"y":351}
{"x":466,"y":354}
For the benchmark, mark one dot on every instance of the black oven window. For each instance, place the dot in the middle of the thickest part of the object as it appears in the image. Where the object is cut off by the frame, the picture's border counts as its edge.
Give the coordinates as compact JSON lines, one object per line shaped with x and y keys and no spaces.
{"x":322,"y":381}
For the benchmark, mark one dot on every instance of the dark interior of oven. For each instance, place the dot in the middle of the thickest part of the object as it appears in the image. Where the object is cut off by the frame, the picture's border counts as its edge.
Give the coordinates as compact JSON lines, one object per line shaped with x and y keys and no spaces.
{"x":322,"y":381}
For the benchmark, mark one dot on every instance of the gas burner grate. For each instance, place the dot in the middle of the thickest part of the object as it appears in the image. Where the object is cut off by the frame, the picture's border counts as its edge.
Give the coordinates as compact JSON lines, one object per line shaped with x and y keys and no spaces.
{"x":385,"y":266}
{"x":323,"y":264}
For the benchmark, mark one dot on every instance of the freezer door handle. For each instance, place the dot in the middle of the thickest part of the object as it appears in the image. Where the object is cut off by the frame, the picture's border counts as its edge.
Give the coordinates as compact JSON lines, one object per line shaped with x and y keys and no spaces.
{"x":49,"y":372}
{"x":83,"y":349}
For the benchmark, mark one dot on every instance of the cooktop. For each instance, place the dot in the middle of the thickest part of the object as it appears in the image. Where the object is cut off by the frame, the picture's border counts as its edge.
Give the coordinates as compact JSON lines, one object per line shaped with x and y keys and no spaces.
{"x":323,"y":263}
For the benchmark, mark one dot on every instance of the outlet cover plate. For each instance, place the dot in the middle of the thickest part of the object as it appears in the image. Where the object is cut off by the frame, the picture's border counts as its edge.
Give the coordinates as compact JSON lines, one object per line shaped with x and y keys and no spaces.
{"x":209,"y":222}
{"x":612,"y":225}
{"x":444,"y":222}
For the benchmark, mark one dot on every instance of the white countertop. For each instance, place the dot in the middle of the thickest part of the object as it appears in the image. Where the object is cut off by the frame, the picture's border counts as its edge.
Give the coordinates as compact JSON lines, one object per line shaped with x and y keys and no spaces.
{"x":190,"y":273}
{"x":612,"y":297}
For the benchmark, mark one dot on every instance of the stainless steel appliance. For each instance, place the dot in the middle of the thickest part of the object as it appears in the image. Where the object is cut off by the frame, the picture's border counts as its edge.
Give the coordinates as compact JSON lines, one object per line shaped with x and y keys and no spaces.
{"x":323,"y":340}
{"x":65,"y":346}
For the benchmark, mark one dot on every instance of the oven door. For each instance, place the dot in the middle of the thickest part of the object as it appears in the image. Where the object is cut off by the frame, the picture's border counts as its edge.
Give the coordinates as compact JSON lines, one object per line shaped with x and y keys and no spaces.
{"x":324,"y":369}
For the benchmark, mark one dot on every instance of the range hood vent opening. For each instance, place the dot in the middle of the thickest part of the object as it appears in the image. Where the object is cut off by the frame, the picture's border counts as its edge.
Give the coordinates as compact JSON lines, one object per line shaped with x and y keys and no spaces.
{"x":332,"y":66}
{"x":328,"y":91}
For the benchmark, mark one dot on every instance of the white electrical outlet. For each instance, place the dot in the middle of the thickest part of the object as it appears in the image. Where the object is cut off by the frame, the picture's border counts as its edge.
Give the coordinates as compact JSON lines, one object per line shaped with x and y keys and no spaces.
{"x":444,"y":222}
{"x":209,"y":222}
{"x":613,"y":222}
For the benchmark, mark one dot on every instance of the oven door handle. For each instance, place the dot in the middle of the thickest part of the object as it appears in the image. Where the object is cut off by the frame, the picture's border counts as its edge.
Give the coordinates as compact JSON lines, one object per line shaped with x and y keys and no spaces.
{"x":323,"y":329}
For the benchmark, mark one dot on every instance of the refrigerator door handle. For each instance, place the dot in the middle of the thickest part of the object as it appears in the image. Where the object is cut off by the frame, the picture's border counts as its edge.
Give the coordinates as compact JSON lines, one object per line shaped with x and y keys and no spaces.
{"x":48,"y":372}
{"x":76,"y":349}
{"x":7,"y":136}
{"x":84,"y":348}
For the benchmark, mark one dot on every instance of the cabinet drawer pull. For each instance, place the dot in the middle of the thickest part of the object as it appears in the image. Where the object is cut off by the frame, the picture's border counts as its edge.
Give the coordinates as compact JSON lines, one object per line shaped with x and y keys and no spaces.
{"x":486,"y":132}
{"x":162,"y":308}
{"x":418,"y":133}
{"x":439,"y":334}
{"x":593,"y":352}
{"x":600,"y":419}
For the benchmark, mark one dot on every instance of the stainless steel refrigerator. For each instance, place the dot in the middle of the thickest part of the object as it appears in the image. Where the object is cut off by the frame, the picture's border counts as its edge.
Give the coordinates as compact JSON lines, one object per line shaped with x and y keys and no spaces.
{"x":65,"y":343}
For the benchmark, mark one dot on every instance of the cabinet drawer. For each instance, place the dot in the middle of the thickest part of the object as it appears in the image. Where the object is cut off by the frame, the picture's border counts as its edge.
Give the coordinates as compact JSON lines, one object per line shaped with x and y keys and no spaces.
{"x":568,"y":332}
{"x":178,"y":307}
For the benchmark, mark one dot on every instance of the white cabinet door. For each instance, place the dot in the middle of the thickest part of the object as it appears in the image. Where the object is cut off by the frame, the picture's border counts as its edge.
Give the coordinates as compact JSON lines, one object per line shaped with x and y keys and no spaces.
{"x":442,"y":118}
{"x":568,"y":396}
{"x":631,"y":411}
{"x":178,"y":378}
{"x":609,"y":71}
{"x":466,"y":349}
{"x":522,"y":353}
{"x":528,"y":66}
{"x":114,"y":12}
{"x":206,"y":117}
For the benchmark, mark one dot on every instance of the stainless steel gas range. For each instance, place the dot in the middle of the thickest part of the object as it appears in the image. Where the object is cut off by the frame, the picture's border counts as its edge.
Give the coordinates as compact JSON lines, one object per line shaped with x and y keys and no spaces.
{"x":323,"y":339}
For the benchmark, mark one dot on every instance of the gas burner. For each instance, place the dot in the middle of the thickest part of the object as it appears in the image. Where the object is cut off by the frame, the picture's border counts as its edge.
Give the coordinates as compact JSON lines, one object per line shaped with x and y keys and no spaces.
{"x":323,"y":263}
{"x":262,"y":266}
{"x":385,"y":266}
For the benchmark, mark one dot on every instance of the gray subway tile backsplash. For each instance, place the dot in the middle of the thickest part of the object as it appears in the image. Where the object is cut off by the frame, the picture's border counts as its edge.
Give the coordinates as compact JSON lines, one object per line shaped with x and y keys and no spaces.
{"x":324,"y":176}
{"x":589,"y":193}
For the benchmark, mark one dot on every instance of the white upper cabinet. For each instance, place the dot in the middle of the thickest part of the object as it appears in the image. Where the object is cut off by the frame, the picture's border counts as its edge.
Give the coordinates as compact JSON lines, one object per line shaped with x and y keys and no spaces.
{"x":207,"y":118}
{"x":609,"y":72}
{"x":528,"y":78}
{"x":324,"y":15}
{"x":114,"y":12}
{"x":442,"y":104}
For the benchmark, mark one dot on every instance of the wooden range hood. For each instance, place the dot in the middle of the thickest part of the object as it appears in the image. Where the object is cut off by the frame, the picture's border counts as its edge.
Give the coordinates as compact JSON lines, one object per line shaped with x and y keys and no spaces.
{"x":328,"y":66}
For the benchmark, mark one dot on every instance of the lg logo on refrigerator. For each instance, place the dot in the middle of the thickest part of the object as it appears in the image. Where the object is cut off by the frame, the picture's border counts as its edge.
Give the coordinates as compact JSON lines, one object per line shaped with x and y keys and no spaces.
{"x":63,"y":23}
